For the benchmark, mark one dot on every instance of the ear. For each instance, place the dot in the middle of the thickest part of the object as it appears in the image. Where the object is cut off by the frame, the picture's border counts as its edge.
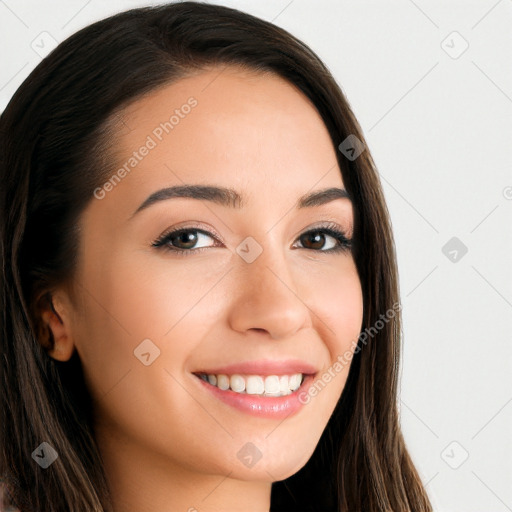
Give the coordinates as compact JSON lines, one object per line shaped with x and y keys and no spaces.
{"x":55,"y":326}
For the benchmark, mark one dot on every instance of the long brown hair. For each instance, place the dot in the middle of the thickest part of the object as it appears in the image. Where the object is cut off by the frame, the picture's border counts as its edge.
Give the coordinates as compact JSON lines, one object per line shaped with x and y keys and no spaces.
{"x":55,"y":137}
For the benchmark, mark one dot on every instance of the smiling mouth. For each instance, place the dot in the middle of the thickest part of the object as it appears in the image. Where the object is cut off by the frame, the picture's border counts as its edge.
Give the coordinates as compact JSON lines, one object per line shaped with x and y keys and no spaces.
{"x":256,"y":385}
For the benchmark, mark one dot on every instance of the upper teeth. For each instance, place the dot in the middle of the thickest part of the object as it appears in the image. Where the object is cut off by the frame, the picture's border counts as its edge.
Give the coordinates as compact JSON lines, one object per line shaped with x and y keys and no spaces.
{"x":269,"y":385}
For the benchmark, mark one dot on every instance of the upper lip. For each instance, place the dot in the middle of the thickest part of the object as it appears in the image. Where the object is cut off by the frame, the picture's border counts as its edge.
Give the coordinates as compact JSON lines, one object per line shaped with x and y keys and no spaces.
{"x":263,"y":367}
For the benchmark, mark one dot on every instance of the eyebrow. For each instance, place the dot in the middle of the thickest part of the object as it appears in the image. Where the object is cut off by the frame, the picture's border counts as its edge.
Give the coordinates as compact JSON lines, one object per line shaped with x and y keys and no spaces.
{"x":231,"y":198}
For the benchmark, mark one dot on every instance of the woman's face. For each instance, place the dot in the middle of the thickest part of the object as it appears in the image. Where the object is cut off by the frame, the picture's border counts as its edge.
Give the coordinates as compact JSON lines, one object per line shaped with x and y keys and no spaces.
{"x":252,"y":294}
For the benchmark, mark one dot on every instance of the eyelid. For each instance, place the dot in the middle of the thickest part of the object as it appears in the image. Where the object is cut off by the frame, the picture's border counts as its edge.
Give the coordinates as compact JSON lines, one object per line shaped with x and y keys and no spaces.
{"x":326,"y":225}
{"x":192,"y":225}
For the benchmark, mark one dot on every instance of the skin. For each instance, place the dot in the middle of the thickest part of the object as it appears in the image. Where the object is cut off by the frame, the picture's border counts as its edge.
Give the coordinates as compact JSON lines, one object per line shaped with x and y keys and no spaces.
{"x":167,"y":444}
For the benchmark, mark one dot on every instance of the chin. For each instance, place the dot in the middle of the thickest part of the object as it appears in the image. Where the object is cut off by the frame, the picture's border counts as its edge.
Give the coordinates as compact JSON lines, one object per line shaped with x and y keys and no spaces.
{"x":272,"y":467}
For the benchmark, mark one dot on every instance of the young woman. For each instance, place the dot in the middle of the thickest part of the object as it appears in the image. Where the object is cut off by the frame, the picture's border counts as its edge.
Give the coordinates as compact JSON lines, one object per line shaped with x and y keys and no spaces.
{"x":199,"y":288}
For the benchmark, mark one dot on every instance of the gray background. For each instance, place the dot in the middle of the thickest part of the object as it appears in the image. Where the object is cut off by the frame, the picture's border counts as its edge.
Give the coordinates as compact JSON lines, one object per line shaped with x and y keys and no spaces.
{"x":438,"y":121}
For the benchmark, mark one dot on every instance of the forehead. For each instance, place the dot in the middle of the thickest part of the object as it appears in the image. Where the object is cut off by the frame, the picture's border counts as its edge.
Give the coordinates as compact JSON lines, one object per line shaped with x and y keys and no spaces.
{"x":243,"y":129}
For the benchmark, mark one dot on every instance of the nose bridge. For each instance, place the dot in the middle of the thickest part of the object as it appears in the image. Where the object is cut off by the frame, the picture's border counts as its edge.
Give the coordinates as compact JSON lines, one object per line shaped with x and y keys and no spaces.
{"x":266,"y":294}
{"x":263,"y":263}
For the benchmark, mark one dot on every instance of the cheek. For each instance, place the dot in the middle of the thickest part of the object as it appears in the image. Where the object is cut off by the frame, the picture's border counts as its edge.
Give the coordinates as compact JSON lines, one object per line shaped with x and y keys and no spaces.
{"x":337,"y":300}
{"x":339,"y":305}
{"x":128,"y":301}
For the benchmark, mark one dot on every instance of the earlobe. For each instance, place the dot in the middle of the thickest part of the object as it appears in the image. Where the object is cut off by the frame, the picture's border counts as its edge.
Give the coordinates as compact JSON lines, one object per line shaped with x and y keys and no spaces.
{"x":55,"y":333}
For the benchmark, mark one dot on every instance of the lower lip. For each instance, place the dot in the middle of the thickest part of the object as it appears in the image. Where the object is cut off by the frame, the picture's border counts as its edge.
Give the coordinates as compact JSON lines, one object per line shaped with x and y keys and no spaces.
{"x":262,"y":406}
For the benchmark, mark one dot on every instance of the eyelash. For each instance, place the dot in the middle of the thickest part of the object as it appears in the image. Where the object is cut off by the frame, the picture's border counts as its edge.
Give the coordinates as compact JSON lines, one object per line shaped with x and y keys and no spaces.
{"x":329,"y":228}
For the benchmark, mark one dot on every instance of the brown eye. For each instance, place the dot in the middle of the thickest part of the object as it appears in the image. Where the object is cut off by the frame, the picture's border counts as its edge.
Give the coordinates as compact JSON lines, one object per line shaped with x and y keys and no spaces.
{"x":313,"y":240}
{"x":184,"y":239}
{"x":316,"y":239}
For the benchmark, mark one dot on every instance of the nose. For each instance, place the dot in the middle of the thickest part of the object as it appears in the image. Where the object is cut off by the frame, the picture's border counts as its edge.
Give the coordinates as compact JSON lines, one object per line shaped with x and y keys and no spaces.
{"x":265,"y":297}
